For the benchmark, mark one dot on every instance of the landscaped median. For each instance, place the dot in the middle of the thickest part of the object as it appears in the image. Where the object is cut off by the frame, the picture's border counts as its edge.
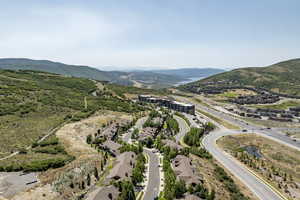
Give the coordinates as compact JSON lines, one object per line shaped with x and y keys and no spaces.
{"x":218,"y":120}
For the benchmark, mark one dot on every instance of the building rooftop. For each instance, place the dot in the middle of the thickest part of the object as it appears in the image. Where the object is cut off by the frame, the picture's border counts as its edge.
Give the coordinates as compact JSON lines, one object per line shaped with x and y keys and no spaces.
{"x":108,"y":193}
{"x":184,"y":169}
{"x":112,"y":146}
{"x":182,"y":104}
{"x":172,"y":144}
{"x":190,"y":197}
{"x":123,"y":167}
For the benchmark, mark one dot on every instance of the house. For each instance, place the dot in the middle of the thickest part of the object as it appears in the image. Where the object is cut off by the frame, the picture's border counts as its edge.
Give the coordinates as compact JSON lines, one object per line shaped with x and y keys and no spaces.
{"x":146,"y":133}
{"x":171,"y":144}
{"x":108,"y":193}
{"x":184,"y":170}
{"x":190,"y":197}
{"x":112,"y":147}
{"x":123,"y":166}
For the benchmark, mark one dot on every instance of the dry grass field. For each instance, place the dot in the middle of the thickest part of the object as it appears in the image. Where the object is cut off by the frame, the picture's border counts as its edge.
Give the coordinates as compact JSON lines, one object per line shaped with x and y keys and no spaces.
{"x":206,"y":168}
{"x":279,"y":165}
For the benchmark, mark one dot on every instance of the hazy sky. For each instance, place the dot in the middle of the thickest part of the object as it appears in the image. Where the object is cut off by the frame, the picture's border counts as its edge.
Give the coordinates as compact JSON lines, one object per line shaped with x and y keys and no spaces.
{"x":151,"y":33}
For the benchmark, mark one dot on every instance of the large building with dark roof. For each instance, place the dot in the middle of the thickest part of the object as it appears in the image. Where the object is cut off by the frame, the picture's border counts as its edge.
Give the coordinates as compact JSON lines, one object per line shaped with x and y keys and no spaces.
{"x":174,"y":105}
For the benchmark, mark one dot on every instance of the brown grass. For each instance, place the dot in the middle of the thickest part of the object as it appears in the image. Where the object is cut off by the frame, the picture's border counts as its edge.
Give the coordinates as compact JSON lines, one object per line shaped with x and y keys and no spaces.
{"x":206,"y":168}
{"x":276,"y":158}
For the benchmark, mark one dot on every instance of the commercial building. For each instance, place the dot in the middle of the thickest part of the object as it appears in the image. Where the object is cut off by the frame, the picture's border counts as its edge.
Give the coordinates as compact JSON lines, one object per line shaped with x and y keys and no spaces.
{"x":174,"y":105}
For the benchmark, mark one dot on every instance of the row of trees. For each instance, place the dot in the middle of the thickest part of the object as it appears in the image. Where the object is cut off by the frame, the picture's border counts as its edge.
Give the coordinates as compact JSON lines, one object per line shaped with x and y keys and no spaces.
{"x":139,"y":169}
{"x":229,"y":184}
{"x":192,"y":138}
{"x":172,"y":125}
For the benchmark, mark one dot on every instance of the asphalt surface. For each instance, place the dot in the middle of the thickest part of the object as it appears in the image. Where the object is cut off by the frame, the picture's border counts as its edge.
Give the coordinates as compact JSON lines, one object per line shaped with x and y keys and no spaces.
{"x":152,"y":188}
{"x":261,"y":190}
{"x":257,"y":186}
{"x":153,"y":183}
{"x":271,"y":133}
{"x":12,"y":183}
{"x":183,"y":128}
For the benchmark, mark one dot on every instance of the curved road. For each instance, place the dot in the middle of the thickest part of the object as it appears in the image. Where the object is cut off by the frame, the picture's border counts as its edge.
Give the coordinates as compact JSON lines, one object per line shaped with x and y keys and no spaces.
{"x":256,"y":185}
{"x":183,"y":128}
{"x":273,"y":134}
{"x":260,"y":189}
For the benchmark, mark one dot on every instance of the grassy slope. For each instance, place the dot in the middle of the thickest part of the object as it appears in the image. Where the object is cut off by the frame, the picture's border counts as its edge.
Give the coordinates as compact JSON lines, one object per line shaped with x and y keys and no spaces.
{"x":32,"y":103}
{"x":123,"y":78}
{"x":282,"y":77}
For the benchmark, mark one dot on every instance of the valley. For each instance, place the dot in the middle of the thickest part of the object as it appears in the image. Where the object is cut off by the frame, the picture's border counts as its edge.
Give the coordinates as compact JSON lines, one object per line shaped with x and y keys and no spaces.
{"x":77,"y":138}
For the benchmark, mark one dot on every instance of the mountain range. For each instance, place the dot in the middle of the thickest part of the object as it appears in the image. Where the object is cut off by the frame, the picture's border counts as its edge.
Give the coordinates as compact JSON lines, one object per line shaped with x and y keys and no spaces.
{"x":148,"y":79}
{"x":282,"y":77}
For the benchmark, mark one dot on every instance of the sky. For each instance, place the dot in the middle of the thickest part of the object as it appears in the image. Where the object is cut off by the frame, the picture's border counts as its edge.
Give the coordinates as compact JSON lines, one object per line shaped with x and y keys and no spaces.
{"x":146,"y":34}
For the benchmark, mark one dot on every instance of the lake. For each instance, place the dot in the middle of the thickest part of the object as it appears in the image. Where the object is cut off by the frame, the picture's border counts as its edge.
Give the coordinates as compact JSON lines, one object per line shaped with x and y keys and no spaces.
{"x":189,"y":80}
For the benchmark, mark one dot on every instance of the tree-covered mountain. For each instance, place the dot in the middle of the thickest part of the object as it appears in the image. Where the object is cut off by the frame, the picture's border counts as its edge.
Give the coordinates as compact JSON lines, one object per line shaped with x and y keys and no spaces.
{"x":283,"y":77}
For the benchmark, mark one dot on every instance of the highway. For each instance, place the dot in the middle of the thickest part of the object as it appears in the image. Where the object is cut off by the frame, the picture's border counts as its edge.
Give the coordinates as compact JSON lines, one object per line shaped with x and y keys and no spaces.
{"x":255,"y":184}
{"x":273,"y":134}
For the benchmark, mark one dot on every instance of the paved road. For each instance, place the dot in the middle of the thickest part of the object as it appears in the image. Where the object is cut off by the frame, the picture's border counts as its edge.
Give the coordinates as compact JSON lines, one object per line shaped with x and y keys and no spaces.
{"x":270,"y":133}
{"x":152,"y":188}
{"x":12,"y":183}
{"x":183,"y":128}
{"x":261,"y":190}
{"x":258,"y":187}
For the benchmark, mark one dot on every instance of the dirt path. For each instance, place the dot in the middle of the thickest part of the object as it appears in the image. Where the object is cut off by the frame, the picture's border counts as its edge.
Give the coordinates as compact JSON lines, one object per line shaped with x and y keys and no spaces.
{"x":73,"y":137}
{"x":52,"y":131}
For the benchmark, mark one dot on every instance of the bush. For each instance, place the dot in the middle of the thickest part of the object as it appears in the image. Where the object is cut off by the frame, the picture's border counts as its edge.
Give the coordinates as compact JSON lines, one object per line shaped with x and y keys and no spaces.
{"x":229,"y":184}
{"x":202,"y":153}
{"x":192,"y":138}
{"x":137,"y":173}
{"x":172,"y":124}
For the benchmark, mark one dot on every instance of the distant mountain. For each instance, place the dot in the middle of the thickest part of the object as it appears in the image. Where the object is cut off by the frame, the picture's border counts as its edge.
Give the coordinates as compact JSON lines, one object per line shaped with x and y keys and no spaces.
{"x":191,"y":72}
{"x":139,"y":79}
{"x":283,"y":78}
{"x":55,"y":67}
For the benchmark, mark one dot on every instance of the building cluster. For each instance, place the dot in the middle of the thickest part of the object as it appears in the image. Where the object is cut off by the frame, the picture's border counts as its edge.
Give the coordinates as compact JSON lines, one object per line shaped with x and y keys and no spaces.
{"x":124,"y":164}
{"x":256,"y":99}
{"x":289,"y":115}
{"x":174,"y":105}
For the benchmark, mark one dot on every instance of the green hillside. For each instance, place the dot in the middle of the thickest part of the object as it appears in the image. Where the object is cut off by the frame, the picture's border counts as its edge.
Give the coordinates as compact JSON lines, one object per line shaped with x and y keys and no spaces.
{"x":283,"y":77}
{"x":33,"y":103}
{"x":142,"y":79}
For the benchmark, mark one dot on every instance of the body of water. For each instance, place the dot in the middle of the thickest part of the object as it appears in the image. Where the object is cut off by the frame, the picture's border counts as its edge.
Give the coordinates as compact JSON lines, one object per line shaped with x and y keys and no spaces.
{"x":189,"y":80}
